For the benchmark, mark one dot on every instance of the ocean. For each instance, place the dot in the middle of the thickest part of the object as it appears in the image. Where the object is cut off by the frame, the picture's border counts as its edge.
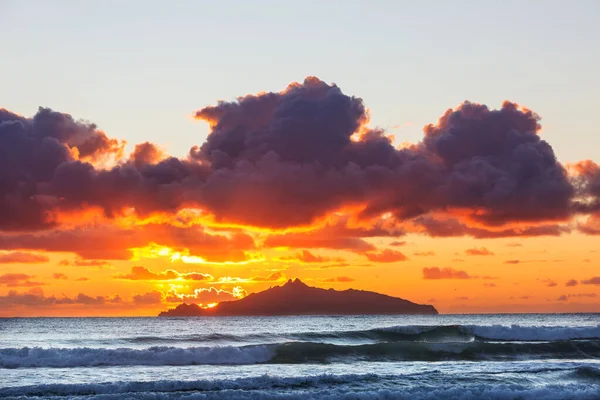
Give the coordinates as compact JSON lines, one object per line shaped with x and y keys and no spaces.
{"x":534,"y":356}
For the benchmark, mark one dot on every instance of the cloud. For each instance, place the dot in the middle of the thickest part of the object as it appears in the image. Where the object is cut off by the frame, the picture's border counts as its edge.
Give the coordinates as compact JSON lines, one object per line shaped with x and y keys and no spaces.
{"x":308,"y":240}
{"x":571,"y":282}
{"x":482,"y":251}
{"x":153,"y":297}
{"x":273,"y":277}
{"x":36,"y":298}
{"x":17,"y":279}
{"x":577,"y":295}
{"x":20,"y":257}
{"x":424,"y":253}
{"x":58,"y":275}
{"x":444,"y":273}
{"x":490,"y":285}
{"x":289,"y":158}
{"x":444,"y":226}
{"x":340,"y":279}
{"x":207,"y":295}
{"x":116,"y":243}
{"x":308,"y":257}
{"x":386,"y":256}
{"x":85,"y":263}
{"x":548,"y":282}
{"x":592,"y":281}
{"x":82,"y":279}
{"x":145,"y":154}
{"x":512,"y":261}
{"x":397,"y":243}
{"x":142,"y":273}
{"x":514,"y":244}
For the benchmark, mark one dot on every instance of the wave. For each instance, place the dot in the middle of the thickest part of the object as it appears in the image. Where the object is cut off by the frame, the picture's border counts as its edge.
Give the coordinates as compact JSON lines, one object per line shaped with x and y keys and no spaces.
{"x":296,"y":353}
{"x":354,"y":386}
{"x":417,"y":333}
{"x":90,"y":357}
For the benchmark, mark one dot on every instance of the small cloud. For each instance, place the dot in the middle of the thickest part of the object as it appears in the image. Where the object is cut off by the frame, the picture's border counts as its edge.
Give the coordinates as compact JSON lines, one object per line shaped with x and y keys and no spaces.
{"x":424,"y":253}
{"x":82,"y":279}
{"x":482,"y":251}
{"x":562,"y":298}
{"x":340,"y":279}
{"x":84,"y":263}
{"x":512,"y":262}
{"x":461,"y":298}
{"x":490,"y":285}
{"x":143,"y":274}
{"x":386,"y":256}
{"x":591,"y":295}
{"x":571,"y":282}
{"x":18,"y":280}
{"x":153,"y":297}
{"x":514,"y":244}
{"x":444,"y":273}
{"x":306,"y":256}
{"x":548,"y":282}
{"x":458,"y":260}
{"x":21,"y":257}
{"x":592,"y":281}
{"x":340,"y":265}
{"x":58,"y":275}
{"x":586,"y":260}
{"x":398,"y":243}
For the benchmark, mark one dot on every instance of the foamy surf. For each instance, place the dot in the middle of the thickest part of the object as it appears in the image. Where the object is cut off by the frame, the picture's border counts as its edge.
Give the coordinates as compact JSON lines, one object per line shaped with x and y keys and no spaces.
{"x":351,"y":386}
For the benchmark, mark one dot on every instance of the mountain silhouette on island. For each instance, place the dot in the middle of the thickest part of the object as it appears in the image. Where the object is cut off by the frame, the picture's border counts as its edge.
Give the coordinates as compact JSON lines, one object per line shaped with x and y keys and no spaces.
{"x":297,"y":298}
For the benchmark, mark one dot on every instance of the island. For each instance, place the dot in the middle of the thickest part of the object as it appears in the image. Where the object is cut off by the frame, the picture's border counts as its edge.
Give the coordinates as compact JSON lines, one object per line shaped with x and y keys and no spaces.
{"x":297,"y":298}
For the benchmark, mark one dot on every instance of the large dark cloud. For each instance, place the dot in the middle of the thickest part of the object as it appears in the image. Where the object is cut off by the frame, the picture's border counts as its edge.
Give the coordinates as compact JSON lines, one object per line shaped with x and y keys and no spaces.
{"x":31,"y":151}
{"x":287,"y":159}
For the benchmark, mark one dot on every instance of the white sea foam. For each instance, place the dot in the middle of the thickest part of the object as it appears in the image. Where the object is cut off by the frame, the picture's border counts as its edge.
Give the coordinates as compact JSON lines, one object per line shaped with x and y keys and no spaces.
{"x":365,"y":387}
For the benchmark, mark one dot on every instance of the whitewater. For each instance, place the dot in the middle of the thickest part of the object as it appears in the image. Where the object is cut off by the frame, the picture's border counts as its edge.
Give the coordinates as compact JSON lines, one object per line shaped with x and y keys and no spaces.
{"x":535,"y":356}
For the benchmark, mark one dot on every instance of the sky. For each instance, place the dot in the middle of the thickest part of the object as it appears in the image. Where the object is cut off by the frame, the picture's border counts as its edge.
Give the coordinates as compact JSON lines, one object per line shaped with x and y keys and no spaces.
{"x":442,"y":152}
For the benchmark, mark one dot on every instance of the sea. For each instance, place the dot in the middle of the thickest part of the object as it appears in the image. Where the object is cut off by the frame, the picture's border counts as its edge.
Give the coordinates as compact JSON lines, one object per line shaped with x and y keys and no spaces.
{"x":524,"y":356}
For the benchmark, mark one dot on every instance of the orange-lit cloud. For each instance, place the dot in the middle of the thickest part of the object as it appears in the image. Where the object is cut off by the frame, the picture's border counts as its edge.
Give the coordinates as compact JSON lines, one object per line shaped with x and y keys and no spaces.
{"x":424,"y":253}
{"x":444,"y":273}
{"x":482,"y":251}
{"x":20,"y":257}
{"x":306,"y":256}
{"x":592,"y":281}
{"x":207,"y":295}
{"x":16,"y":279}
{"x":386,"y":256}
{"x":141,"y":273}
{"x":340,"y":279}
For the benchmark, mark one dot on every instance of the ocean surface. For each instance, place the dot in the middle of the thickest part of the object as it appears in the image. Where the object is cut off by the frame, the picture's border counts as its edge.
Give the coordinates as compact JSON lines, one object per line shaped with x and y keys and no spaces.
{"x":353,"y":357}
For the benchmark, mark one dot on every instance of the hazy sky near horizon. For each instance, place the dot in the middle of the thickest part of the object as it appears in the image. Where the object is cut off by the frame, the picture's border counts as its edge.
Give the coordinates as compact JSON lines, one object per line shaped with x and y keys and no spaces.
{"x":140,"y":70}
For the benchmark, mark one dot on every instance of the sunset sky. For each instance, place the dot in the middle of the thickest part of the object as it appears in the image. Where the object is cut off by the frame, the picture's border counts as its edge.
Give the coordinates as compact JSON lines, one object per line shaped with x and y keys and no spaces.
{"x":198,"y":152}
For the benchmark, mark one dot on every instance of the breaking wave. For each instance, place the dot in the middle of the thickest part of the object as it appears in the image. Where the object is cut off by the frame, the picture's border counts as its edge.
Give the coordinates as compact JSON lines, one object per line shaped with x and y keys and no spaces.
{"x":417,"y":333}
{"x":297,"y":352}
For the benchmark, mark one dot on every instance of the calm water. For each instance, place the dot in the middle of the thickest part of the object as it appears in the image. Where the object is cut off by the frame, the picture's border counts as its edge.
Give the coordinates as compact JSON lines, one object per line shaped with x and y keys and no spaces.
{"x":358,"y":357}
